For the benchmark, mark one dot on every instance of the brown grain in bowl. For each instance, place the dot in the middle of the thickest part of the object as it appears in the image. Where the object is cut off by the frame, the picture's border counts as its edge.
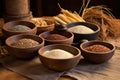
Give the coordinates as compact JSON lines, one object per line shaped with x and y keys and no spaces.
{"x":22,"y":51}
{"x":97,"y":56}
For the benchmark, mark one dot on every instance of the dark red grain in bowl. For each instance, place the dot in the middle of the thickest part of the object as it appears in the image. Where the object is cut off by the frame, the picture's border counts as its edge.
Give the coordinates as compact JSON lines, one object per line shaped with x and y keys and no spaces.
{"x":24,"y":53}
{"x":69,"y":37}
{"x":97,"y":57}
{"x":7,"y":32}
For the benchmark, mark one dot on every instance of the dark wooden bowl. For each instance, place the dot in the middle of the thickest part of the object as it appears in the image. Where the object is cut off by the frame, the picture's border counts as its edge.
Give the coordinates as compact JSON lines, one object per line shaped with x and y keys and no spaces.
{"x":60,"y":64}
{"x":90,"y":36}
{"x":69,"y":35}
{"x":23,"y":53}
{"x":10,"y":24}
{"x":97,"y":57}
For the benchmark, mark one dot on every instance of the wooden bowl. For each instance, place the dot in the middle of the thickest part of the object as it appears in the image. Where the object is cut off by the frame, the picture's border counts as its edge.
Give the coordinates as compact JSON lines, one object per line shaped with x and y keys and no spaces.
{"x":97,"y":57}
{"x":60,"y":64}
{"x":23,"y":53}
{"x":69,"y":35}
{"x":49,"y":20}
{"x":45,"y":28}
{"x":7,"y":26}
{"x":89,"y":36}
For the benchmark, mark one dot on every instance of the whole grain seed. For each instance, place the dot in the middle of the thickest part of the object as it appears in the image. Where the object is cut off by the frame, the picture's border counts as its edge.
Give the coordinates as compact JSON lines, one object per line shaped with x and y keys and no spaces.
{"x":25,"y":43}
{"x":55,"y":37}
{"x":97,"y":48}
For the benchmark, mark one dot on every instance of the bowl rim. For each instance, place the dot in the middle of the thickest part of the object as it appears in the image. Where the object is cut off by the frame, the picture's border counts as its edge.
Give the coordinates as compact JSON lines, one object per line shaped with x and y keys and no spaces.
{"x":50,"y":25}
{"x":83,"y":23}
{"x":75,"y":56}
{"x":6,"y":41}
{"x":97,"y":53}
{"x":31,"y":29}
{"x":72,"y":36}
{"x":47,"y":26}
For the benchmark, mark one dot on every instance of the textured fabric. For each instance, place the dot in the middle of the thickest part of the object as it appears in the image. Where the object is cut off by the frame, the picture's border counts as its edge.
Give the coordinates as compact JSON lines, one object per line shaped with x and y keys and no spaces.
{"x":32,"y":69}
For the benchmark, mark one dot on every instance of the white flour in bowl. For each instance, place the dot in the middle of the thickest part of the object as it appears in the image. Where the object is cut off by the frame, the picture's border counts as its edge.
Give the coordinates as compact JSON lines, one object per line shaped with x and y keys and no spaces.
{"x":57,"y":54}
{"x":81,"y":29}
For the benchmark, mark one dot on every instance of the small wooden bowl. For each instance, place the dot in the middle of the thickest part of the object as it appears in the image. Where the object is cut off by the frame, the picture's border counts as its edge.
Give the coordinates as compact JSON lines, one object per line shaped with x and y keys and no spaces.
{"x":23,"y":53}
{"x":90,"y":36}
{"x":45,"y":28}
{"x":7,"y":26}
{"x":69,"y":35}
{"x":60,"y":64}
{"x":50,"y":27}
{"x":97,"y":57}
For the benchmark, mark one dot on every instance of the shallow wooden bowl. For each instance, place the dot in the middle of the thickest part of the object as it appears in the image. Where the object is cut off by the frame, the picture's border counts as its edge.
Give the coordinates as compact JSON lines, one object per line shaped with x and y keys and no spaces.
{"x":23,"y":53}
{"x":69,"y":35}
{"x":7,"y":26}
{"x":89,"y":36}
{"x":60,"y":64}
{"x":97,"y":57}
{"x":50,"y":27}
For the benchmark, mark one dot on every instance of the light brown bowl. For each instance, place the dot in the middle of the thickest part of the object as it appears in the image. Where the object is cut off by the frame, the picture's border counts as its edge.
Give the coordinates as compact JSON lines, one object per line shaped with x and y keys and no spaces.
{"x":60,"y":64}
{"x":50,"y":27}
{"x":45,"y":28}
{"x":97,"y":57}
{"x":23,"y":53}
{"x":10,"y":24}
{"x":69,"y":35}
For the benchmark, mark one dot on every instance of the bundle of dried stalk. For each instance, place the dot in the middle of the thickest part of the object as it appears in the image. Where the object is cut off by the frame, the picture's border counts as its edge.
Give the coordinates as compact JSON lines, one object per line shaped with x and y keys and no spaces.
{"x":100,"y":15}
{"x":66,"y":17}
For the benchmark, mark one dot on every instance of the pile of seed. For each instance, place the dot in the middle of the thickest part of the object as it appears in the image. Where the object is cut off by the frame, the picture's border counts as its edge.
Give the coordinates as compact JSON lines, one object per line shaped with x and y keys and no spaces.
{"x":57,"y":54}
{"x":19,"y":28}
{"x":55,"y":37}
{"x":25,"y":43}
{"x":80,"y":29}
{"x":97,"y":48}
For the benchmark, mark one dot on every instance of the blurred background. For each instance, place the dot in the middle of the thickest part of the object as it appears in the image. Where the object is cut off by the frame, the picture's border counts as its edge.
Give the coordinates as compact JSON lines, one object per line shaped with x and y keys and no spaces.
{"x":50,"y":7}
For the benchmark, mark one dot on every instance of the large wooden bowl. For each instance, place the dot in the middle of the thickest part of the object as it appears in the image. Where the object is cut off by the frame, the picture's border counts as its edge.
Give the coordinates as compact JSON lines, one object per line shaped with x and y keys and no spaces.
{"x":60,"y":64}
{"x":23,"y":53}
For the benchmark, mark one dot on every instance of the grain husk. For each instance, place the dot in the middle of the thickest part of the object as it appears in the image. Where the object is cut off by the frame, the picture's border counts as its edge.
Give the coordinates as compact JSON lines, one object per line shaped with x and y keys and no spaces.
{"x":102,"y":16}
